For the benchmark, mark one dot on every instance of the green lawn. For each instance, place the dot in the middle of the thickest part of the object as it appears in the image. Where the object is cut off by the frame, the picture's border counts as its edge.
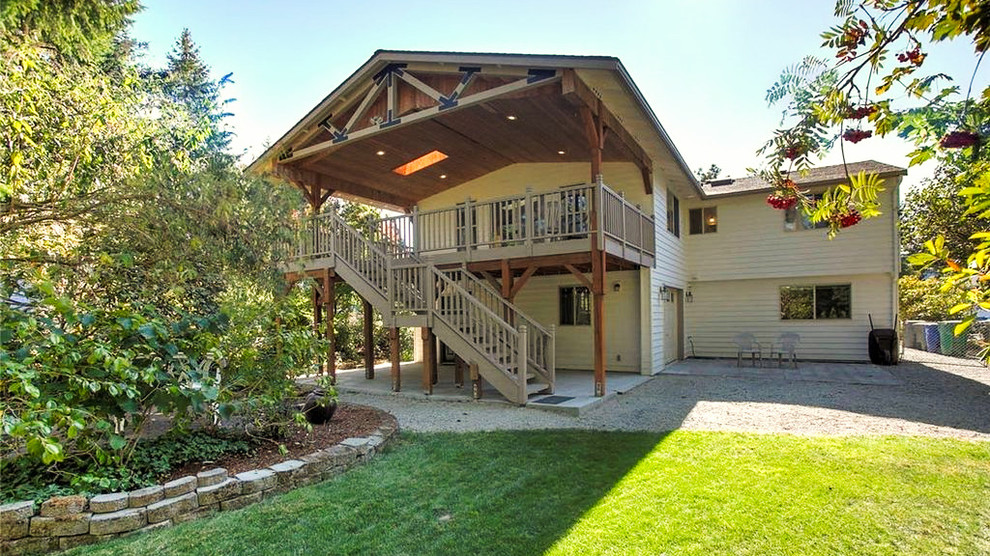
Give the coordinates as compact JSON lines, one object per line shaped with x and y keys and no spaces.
{"x":586,"y":492}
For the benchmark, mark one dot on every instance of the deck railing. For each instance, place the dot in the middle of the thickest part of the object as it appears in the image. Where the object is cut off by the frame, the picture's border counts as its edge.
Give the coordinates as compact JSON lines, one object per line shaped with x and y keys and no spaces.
{"x":518,"y":220}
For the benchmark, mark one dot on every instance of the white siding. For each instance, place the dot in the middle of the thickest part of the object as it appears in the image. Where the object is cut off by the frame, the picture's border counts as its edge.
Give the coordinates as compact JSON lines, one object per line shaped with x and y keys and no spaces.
{"x":722,"y":309}
{"x":751,"y":242}
{"x":670,"y":269}
{"x":539,"y":299}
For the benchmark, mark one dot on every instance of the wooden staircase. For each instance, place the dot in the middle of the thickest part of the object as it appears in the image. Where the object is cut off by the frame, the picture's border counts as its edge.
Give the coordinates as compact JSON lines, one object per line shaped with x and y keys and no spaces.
{"x":513,"y":352}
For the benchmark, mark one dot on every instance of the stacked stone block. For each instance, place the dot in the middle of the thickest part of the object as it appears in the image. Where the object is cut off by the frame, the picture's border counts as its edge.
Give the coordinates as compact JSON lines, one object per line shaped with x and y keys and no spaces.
{"x":64,"y":522}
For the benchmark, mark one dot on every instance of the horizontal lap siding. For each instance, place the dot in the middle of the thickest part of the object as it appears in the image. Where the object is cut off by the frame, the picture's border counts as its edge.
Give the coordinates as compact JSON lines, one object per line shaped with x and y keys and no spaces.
{"x":751,"y":243}
{"x":722,"y":309}
{"x":670,"y":269}
{"x":540,"y":300}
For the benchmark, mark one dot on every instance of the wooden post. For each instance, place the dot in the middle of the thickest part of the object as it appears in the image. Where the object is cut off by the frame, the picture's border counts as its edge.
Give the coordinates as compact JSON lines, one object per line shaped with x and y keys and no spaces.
{"x":330,"y":308}
{"x":598,"y":293}
{"x":522,"y":364}
{"x":435,"y":358}
{"x":393,"y":336}
{"x":317,"y":320}
{"x":369,"y":340}
{"x":429,"y":346}
{"x":475,"y":381}
{"x":458,"y":371}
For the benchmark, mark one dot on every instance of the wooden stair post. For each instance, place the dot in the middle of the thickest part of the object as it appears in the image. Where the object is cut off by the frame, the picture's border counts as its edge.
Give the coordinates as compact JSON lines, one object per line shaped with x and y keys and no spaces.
{"x":393,"y":337}
{"x":429,"y":359}
{"x":369,"y":340}
{"x":475,"y":381}
{"x":330,"y":308}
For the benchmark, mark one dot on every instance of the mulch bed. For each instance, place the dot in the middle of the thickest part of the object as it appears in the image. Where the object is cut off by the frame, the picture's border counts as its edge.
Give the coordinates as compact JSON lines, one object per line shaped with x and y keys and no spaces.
{"x":349,"y":420}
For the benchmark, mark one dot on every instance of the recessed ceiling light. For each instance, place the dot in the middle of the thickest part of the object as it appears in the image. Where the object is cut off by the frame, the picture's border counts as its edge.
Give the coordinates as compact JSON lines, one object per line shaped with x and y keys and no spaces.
{"x":380,"y":153}
{"x":561,"y":152}
{"x":443,"y":176}
{"x":510,"y":117}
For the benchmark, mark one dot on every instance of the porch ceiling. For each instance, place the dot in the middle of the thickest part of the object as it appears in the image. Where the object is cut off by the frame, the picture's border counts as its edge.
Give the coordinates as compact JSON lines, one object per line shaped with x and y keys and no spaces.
{"x":478,"y":140}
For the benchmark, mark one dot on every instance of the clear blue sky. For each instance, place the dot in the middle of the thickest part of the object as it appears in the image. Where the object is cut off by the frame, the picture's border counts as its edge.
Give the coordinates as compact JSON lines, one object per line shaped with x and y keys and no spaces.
{"x":704,"y":66}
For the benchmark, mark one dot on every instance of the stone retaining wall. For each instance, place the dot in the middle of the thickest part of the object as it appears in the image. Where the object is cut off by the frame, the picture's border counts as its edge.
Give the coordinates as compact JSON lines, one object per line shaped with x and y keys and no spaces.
{"x":65,"y":522}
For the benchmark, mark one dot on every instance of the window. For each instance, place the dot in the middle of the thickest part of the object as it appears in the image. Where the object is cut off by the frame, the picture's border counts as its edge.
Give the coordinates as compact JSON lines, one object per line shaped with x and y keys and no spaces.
{"x":575,"y":306}
{"x":816,"y":302}
{"x":796,"y":219}
{"x":703,"y":221}
{"x":673,"y":214}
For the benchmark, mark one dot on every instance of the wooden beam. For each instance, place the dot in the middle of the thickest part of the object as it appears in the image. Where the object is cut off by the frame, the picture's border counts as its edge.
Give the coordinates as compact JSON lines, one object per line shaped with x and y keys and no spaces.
{"x":538,"y":79}
{"x":521,"y":281}
{"x":491,"y":280}
{"x":592,"y":135}
{"x":577,"y":92}
{"x":394,"y":354}
{"x":521,"y":263}
{"x":580,"y":276}
{"x":506,"y":279}
{"x":304,"y":179}
{"x":369,"y":340}
{"x":429,"y":346}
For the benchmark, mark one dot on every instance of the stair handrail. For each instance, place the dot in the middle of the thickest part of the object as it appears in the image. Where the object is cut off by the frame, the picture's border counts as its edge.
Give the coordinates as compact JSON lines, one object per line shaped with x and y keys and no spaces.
{"x":459,"y":309}
{"x":541,"y":340}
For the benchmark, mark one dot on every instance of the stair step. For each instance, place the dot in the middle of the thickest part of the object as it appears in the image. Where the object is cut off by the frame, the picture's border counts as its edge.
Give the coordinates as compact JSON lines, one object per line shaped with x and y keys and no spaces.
{"x":536,"y":387}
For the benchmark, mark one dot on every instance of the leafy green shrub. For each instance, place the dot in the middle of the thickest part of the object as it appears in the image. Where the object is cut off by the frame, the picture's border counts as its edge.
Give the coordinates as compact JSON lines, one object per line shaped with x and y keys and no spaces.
{"x":923,"y":299}
{"x":76,"y":379}
{"x":27,"y":479}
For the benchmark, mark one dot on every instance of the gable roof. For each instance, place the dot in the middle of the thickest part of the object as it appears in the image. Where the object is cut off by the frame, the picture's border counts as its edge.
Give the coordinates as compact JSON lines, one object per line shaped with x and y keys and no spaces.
{"x":821,"y":176}
{"x":605,"y":74}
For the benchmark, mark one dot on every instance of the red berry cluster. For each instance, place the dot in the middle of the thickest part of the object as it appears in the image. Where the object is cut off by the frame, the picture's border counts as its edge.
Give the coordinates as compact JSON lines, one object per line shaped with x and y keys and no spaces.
{"x":861,"y":112}
{"x":781,"y":202}
{"x":852,"y":36}
{"x":914,"y":56}
{"x":794,"y":151}
{"x":856,"y":135}
{"x":959,"y":140}
{"x":849,"y":218}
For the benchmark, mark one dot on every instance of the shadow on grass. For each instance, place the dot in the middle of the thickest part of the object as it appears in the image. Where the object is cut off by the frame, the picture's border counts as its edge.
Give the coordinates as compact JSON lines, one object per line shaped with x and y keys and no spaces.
{"x":492,"y":493}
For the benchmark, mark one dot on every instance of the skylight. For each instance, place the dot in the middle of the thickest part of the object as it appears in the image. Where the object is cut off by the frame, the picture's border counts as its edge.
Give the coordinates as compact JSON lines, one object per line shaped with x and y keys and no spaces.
{"x":428,"y":159}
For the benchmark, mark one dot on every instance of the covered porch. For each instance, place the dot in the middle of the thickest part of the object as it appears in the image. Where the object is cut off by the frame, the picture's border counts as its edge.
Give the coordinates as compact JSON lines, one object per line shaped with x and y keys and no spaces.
{"x":573,"y":394}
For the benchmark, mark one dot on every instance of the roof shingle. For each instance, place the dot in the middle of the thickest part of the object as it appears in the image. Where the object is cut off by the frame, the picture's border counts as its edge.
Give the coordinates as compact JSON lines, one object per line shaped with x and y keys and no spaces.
{"x":825,"y":175}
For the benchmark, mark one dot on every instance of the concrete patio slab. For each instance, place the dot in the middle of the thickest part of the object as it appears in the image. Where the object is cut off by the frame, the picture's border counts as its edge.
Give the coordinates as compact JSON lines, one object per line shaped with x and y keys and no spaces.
{"x":841,"y":373}
{"x":576,"y":386}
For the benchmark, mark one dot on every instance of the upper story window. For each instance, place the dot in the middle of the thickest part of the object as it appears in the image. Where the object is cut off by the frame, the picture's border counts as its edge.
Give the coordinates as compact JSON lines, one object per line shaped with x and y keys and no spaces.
{"x":673,"y":214}
{"x":816,"y":302}
{"x":703,"y":220}
{"x":575,"y":306}
{"x":795,"y":219}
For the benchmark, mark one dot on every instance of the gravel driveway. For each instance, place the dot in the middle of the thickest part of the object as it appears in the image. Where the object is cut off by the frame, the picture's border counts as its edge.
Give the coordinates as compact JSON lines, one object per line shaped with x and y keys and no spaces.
{"x":932,"y":400}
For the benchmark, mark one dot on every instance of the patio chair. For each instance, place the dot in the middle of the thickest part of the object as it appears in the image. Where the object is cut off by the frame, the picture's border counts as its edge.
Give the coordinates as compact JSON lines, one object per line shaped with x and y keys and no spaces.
{"x":746,"y":344}
{"x":786,"y":346}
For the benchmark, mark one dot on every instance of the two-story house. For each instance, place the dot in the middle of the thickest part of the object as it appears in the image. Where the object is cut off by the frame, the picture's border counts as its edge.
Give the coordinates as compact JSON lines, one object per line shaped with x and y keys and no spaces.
{"x":545,"y":220}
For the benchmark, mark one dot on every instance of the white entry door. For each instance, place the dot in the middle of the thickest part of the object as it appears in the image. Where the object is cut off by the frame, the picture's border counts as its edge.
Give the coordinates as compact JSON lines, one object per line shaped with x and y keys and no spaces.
{"x":673,"y":322}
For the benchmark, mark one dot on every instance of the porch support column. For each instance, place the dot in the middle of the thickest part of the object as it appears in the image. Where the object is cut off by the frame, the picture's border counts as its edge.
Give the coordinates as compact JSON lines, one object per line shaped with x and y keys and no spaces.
{"x":330,"y":309}
{"x":369,"y":340}
{"x":393,"y":337}
{"x":317,"y":320}
{"x":598,"y":296}
{"x":475,"y":381}
{"x":459,"y":371}
{"x":429,"y":359}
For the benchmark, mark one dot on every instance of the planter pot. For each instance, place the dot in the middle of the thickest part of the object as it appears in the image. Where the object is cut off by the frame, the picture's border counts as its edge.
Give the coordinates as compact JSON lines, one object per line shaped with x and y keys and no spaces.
{"x":315,"y":413}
